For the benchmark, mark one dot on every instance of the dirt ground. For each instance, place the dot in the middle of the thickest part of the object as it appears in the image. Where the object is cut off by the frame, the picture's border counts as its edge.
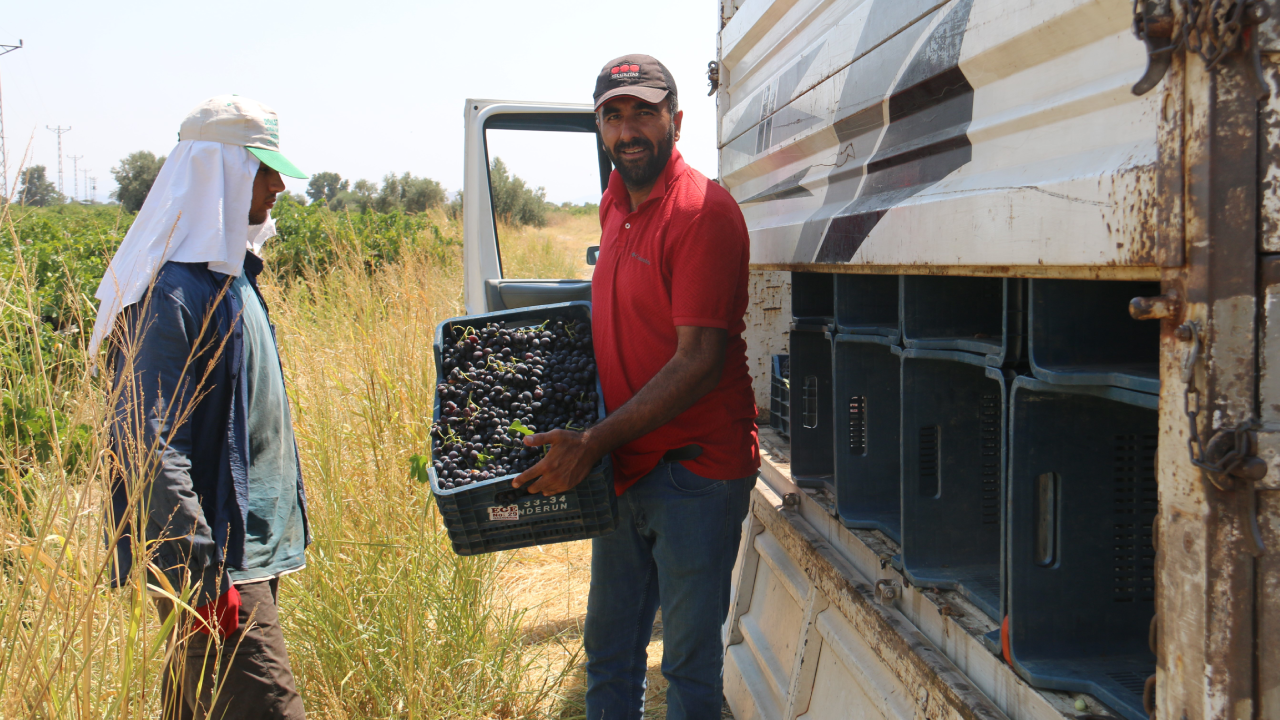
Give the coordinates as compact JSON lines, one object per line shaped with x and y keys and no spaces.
{"x":551,"y":582}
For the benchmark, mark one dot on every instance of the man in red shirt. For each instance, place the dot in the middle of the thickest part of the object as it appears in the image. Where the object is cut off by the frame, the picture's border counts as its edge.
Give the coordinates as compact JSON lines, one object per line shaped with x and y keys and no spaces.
{"x":669,"y":295}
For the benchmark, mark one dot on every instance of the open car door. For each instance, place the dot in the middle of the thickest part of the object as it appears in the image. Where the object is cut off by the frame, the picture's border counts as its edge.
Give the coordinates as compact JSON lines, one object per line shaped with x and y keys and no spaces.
{"x":487,"y":287}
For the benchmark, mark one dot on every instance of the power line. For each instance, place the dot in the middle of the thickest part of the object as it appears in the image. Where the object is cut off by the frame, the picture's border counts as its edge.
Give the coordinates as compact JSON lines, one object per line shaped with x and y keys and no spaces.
{"x":60,"y":131}
{"x":4,"y":167}
{"x":75,"y":178}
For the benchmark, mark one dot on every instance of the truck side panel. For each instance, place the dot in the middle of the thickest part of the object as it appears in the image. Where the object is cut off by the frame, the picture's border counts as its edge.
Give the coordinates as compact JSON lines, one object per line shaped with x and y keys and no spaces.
{"x":978,"y":133}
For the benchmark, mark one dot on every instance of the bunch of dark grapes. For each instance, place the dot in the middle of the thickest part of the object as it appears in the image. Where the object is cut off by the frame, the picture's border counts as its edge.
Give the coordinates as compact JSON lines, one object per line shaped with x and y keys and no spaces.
{"x":499,"y":379}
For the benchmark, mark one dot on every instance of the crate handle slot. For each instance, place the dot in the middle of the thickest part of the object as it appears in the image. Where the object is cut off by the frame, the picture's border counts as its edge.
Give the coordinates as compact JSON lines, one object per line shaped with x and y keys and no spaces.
{"x":930,"y":462}
{"x":811,"y":401}
{"x":1046,"y":549}
{"x":858,"y":425}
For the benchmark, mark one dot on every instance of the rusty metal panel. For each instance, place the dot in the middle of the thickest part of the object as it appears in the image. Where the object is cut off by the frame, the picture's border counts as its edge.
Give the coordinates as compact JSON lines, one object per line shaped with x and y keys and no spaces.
{"x":1268,"y":640}
{"x":1269,"y":138}
{"x":1205,"y":569}
{"x":768,"y":326}
{"x":918,"y":134}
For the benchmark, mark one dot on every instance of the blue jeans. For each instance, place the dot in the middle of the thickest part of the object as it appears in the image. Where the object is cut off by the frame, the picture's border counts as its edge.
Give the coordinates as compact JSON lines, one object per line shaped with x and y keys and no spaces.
{"x":674,"y":548}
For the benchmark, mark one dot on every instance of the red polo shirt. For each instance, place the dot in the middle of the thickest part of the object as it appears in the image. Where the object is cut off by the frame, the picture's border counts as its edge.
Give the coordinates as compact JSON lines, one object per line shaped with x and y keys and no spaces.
{"x":679,"y":259}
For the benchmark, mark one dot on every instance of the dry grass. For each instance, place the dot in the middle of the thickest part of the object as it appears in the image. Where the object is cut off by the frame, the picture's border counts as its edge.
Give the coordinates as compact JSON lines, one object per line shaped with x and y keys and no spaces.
{"x":551,"y":583}
{"x":385,"y":621}
{"x":558,"y":250}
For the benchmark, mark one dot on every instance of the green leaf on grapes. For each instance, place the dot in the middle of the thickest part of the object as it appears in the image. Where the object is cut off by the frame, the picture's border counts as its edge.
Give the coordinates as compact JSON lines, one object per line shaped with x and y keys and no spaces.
{"x":517,"y":426}
{"x":418,"y":465}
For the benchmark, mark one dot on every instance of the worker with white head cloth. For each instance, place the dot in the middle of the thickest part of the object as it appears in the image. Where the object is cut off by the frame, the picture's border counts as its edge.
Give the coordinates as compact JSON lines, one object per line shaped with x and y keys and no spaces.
{"x":207,"y":488}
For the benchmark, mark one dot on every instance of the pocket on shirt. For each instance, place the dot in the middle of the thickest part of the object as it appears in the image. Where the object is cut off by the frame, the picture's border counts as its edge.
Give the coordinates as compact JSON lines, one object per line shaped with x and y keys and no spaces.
{"x":689,"y":482}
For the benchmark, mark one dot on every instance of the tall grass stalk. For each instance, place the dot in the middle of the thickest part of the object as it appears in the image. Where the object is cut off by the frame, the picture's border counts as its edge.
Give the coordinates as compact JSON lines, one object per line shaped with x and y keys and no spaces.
{"x":385,"y":621}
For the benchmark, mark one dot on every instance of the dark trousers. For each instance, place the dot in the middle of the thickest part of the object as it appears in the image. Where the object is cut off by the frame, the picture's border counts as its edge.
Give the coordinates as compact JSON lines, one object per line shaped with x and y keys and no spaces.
{"x":676,"y":541}
{"x":247,"y":678}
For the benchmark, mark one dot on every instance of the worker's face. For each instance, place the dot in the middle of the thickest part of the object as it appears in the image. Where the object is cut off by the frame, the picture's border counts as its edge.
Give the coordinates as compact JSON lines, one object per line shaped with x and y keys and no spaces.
{"x":266,"y":185}
{"x":638,"y":137}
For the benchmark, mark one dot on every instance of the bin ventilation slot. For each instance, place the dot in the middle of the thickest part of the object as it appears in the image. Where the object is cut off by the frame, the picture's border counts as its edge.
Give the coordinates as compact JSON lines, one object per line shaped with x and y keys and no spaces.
{"x":858,"y":425}
{"x":1135,"y":502}
{"x":990,"y":459}
{"x":1046,"y":519}
{"x":929,"y":454}
{"x":1131,"y":681}
{"x":811,"y":401}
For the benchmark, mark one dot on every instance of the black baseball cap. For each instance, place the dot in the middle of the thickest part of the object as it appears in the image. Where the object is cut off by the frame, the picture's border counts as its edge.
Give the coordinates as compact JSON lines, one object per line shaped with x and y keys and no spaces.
{"x":634,"y":75}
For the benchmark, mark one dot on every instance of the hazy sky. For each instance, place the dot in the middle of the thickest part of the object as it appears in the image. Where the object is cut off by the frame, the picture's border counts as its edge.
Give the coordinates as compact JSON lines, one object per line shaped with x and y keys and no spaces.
{"x":362,"y":89}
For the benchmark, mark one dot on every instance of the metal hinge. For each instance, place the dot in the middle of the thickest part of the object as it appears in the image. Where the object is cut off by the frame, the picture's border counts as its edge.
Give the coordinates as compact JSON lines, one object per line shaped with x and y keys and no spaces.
{"x":1212,"y":29}
{"x":713,"y":77}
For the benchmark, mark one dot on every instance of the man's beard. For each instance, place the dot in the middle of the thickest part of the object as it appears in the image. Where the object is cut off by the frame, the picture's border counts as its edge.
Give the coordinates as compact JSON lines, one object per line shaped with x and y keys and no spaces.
{"x":644,"y":175}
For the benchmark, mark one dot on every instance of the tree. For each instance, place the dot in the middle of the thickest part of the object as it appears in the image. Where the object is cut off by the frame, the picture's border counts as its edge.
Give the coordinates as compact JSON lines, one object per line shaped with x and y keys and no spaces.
{"x":136,"y":174}
{"x":294,"y":198}
{"x":359,"y":198}
{"x":513,"y":200}
{"x":408,"y":193}
{"x":37,"y":189}
{"x":326,"y":186}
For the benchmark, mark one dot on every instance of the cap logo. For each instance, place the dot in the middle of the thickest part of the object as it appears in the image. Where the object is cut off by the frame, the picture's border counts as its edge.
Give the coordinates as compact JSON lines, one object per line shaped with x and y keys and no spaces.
{"x":624,"y":71}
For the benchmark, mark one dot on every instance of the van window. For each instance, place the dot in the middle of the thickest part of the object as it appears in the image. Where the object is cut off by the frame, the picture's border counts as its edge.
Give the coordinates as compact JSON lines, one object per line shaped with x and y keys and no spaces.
{"x":546,"y":194}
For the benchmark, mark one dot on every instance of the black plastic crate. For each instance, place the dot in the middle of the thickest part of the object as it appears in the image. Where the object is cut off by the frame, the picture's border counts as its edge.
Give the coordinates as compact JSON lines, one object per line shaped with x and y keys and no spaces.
{"x":780,"y":395}
{"x":868,"y":430}
{"x":969,"y":314}
{"x":1080,"y":333}
{"x":813,"y":298}
{"x":868,"y":305}
{"x":1081,"y":564}
{"x":812,"y":429}
{"x":953,"y":423}
{"x":491,"y":515}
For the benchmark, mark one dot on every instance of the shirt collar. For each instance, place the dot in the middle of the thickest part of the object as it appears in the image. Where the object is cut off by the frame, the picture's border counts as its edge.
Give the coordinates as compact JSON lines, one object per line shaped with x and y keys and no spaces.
{"x":676,"y":167}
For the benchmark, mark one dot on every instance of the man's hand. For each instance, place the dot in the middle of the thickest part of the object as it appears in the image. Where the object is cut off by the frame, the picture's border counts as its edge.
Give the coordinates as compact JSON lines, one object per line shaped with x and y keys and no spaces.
{"x":570,"y":459}
{"x":222,"y":614}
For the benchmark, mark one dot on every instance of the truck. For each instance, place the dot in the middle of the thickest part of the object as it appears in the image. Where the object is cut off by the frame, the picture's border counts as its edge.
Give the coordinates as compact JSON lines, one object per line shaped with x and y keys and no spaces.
{"x":1013,"y":264}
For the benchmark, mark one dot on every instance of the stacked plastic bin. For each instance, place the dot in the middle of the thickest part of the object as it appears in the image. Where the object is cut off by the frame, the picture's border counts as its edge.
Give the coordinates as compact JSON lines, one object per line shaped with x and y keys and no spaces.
{"x":1082,"y":493}
{"x":962,"y":340}
{"x":780,"y":395}
{"x":867,"y":372}
{"x":812,"y":311}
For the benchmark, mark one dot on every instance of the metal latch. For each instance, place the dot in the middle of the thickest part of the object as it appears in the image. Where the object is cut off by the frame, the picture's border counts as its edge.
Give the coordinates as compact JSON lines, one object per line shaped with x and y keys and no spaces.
{"x":1159,"y":307}
{"x":1229,"y":461}
{"x":887,"y":590}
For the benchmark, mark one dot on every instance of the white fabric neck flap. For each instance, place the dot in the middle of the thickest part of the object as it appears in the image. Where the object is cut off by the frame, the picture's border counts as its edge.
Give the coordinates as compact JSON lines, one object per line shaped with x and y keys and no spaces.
{"x":210,"y":186}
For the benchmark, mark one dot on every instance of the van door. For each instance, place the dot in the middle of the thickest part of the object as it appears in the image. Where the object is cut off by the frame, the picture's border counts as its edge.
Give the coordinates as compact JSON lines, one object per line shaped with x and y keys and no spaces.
{"x":489,"y":286}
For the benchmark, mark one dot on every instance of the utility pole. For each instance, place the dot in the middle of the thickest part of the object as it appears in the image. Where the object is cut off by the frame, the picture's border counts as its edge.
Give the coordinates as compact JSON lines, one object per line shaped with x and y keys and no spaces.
{"x":93,"y":189}
{"x":86,"y":185}
{"x":4,"y":167}
{"x":60,"y":131}
{"x":75,"y":178}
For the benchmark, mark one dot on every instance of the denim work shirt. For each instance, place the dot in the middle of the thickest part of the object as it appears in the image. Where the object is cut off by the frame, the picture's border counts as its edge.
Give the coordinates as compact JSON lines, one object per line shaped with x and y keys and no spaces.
{"x":182,"y":398}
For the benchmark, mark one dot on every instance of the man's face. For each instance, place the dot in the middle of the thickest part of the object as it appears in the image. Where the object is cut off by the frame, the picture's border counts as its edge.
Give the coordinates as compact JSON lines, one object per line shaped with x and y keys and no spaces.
{"x":638,"y":137}
{"x":266,"y":185}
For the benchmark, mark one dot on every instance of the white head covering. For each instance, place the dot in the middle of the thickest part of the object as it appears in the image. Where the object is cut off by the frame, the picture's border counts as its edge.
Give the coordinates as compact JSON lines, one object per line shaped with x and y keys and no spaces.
{"x":197,"y":211}
{"x":198,"y":207}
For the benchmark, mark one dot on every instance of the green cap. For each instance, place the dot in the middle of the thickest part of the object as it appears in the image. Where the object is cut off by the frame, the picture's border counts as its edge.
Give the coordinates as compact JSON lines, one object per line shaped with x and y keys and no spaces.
{"x":278,"y":162}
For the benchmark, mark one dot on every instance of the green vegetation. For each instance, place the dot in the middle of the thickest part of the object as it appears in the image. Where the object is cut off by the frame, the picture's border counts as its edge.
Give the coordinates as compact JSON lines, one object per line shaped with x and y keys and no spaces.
{"x":386,"y":621}
{"x":514,"y":202}
{"x":36,"y":189}
{"x":135,"y":175}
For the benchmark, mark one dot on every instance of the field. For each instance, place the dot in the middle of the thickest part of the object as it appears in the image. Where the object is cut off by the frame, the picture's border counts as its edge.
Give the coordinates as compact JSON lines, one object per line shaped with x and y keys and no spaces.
{"x":385,"y":621}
